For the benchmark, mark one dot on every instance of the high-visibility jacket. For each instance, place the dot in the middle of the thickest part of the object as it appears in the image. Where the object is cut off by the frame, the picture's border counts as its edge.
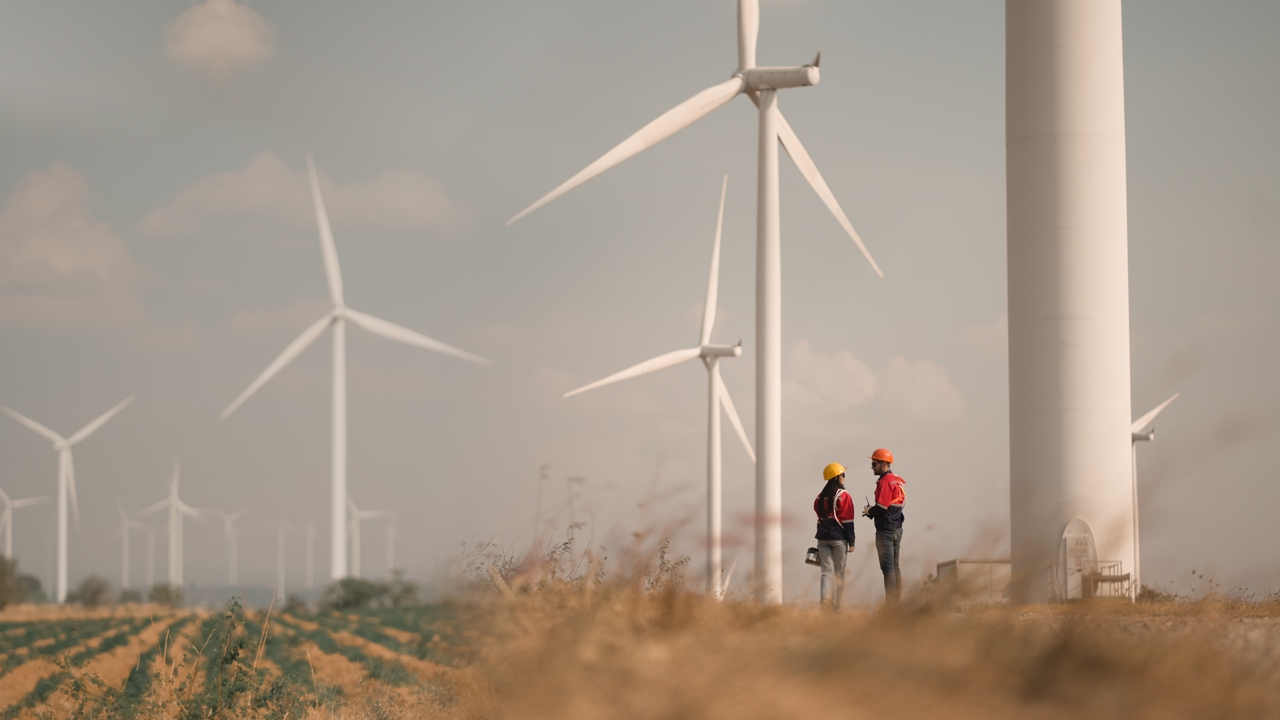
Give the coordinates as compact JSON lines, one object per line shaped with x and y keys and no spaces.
{"x":890,"y":497}
{"x":835,"y":523}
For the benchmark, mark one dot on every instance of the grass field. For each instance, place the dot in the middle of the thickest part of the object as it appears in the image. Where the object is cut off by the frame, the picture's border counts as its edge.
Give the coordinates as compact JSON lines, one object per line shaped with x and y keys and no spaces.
{"x":644,"y":650}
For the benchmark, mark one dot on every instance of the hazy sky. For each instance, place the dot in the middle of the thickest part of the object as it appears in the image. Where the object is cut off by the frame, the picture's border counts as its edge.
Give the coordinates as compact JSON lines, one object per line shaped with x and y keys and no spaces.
{"x":156,"y":238}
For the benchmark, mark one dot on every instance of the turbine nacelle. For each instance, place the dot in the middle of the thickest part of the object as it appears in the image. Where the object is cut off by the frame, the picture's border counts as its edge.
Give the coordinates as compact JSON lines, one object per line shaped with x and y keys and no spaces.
{"x":1148,"y":436}
{"x":780,"y":78}
{"x":710,"y":351}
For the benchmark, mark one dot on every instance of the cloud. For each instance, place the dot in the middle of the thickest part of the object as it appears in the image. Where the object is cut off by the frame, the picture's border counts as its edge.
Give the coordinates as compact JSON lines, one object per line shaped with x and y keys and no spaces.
{"x":819,"y":383}
{"x":986,"y":341}
{"x":817,"y":379}
{"x":59,"y":265}
{"x":269,"y":197}
{"x":219,"y":37}
{"x":921,"y":390}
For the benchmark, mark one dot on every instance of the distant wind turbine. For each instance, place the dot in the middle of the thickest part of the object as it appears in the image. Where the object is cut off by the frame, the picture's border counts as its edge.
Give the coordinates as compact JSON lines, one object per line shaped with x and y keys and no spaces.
{"x":717,"y":397}
{"x":311,"y":555}
{"x":391,"y":549}
{"x":337,"y":318}
{"x":7,"y":518}
{"x":760,"y":84}
{"x":125,"y":526}
{"x":177,"y":509}
{"x":151,"y":557}
{"x":66,"y":481}
{"x":232,"y":534}
{"x":356,"y":516}
{"x":282,"y":528}
{"x":1138,"y":436}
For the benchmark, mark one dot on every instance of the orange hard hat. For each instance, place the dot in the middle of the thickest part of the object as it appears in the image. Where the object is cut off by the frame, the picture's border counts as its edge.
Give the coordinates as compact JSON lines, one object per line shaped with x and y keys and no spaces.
{"x":882,"y":454}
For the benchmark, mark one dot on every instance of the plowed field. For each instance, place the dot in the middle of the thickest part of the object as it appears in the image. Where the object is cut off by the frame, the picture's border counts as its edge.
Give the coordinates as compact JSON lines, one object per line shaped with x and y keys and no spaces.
{"x":146,"y":661}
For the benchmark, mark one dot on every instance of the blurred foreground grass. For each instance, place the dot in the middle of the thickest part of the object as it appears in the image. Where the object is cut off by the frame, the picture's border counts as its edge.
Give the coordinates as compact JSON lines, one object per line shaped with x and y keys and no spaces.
{"x":553,"y":642}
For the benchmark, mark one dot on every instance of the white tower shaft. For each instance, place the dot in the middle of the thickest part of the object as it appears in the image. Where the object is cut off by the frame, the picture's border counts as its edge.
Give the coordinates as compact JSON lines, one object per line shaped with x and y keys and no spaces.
{"x":64,"y":466}
{"x":768,"y":570}
{"x":714,"y":479}
{"x":338,"y":496}
{"x":1069,"y":405}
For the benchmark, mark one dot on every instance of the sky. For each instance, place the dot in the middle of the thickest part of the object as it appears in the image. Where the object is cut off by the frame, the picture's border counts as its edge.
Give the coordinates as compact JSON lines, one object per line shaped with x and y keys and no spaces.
{"x":157,"y":239}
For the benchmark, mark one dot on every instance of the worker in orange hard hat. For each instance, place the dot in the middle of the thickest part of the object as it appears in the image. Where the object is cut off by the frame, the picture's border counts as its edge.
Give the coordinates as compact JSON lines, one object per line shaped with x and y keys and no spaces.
{"x":836,"y":513}
{"x":887,"y":514}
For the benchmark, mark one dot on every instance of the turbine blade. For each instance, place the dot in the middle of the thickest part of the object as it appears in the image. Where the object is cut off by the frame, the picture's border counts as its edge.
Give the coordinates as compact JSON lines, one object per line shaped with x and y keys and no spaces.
{"x":1145,"y":420}
{"x":71,"y":487}
{"x":810,"y":171}
{"x":5,"y":497}
{"x":327,"y":247}
{"x":51,"y":435}
{"x":713,"y":284}
{"x":659,"y":363}
{"x":667,"y":124}
{"x":295,"y":348}
{"x":748,"y":30}
{"x":391,"y":331}
{"x":734,"y":420}
{"x":28,"y":502}
{"x":92,"y":427}
{"x":155,"y":508}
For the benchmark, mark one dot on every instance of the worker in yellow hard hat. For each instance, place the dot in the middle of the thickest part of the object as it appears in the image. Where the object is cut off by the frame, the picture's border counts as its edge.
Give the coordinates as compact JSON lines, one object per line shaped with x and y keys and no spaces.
{"x":836,"y":513}
{"x":891,"y":496}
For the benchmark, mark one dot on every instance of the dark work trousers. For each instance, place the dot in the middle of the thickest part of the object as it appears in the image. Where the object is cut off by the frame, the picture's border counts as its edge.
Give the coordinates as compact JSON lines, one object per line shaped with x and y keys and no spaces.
{"x":889,"y":548}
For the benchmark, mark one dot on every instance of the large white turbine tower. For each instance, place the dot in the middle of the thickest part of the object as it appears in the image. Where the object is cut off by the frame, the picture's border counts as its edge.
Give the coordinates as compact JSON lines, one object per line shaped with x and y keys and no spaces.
{"x":717,"y":396}
{"x":177,"y":510}
{"x":7,"y":518}
{"x":337,"y":319}
{"x":66,"y":481}
{"x":1136,"y":436}
{"x":1068,"y":278}
{"x":356,"y":516}
{"x":760,"y":84}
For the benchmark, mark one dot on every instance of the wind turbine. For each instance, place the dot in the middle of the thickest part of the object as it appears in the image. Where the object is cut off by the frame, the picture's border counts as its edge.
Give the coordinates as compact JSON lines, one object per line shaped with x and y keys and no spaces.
{"x":356,"y":516}
{"x":125,"y":526}
{"x":760,"y":84}
{"x":311,"y":555}
{"x":151,"y":558}
{"x":233,"y":533}
{"x":1138,"y":436}
{"x":66,"y":481}
{"x":281,"y":529}
{"x":717,"y":396}
{"x":337,"y":319}
{"x":177,"y":509}
{"x":7,"y":518}
{"x":391,"y":549}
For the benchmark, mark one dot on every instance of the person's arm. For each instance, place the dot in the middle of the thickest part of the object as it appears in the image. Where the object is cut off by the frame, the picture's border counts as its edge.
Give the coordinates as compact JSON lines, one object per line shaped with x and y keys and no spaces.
{"x":845,"y":509}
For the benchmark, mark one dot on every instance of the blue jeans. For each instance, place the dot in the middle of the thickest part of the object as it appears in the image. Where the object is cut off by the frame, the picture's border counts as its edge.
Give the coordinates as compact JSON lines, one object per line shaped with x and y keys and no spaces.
{"x":831,"y":556}
{"x":889,"y":548}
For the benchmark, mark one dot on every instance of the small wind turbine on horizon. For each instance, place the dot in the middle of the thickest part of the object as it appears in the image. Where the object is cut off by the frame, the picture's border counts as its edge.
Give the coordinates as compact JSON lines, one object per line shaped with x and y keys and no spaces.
{"x":336,"y":319}
{"x":760,"y":84}
{"x":356,"y":516}
{"x":391,"y":548}
{"x":232,"y":534}
{"x":177,"y":510}
{"x":1138,"y":436}
{"x":7,"y":518}
{"x":125,"y":526}
{"x":281,"y":529}
{"x":717,"y":397}
{"x":66,"y":481}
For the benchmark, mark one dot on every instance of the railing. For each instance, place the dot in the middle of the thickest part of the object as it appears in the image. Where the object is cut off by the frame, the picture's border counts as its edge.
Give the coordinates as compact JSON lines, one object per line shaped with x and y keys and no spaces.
{"x":1100,"y":578}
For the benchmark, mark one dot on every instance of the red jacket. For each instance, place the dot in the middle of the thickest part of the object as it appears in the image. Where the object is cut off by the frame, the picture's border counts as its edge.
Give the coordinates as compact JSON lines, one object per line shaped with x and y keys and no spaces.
{"x":890,"y":497}
{"x":837,"y":525}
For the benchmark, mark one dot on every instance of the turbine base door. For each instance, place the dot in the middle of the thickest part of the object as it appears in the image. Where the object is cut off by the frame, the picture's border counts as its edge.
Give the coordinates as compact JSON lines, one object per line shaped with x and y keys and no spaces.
{"x":1079,"y":557}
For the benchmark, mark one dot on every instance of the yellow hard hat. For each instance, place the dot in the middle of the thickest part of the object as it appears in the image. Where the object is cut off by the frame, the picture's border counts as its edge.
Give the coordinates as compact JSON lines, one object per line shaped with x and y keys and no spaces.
{"x":832,"y":470}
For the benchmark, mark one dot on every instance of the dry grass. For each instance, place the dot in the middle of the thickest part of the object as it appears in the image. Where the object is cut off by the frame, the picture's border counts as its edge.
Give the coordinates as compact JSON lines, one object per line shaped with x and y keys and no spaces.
{"x":549,"y":641}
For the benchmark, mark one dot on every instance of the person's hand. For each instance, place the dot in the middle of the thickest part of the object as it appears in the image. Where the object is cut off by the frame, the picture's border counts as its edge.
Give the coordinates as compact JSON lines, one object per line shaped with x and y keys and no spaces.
{"x":866,"y":511}
{"x":850,"y":548}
